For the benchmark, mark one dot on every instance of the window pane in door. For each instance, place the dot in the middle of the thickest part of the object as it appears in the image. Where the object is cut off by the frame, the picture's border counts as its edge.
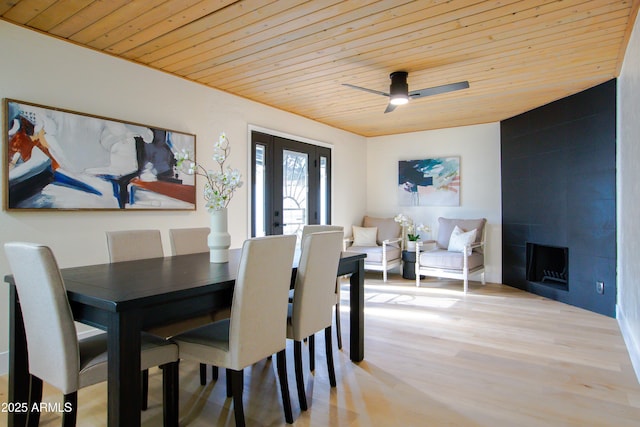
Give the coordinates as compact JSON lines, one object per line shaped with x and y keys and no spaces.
{"x":323,"y":190}
{"x":295,"y":188}
{"x":260,"y":191}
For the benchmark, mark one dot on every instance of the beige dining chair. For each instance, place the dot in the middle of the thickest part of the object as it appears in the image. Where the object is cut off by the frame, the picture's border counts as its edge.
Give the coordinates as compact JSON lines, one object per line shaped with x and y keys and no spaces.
{"x":186,"y":241}
{"x":56,"y":355}
{"x":306,"y":230}
{"x":313,"y":300}
{"x":130,"y":245}
{"x":257,"y":326}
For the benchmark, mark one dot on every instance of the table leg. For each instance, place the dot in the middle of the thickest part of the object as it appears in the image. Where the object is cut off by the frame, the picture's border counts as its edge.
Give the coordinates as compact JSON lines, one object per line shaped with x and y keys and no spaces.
{"x":18,"y":363}
{"x":356,"y":316}
{"x":124,"y":383}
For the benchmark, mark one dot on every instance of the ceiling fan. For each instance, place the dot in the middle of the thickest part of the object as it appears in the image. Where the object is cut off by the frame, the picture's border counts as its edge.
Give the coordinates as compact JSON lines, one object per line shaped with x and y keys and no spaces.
{"x":399,"y":90}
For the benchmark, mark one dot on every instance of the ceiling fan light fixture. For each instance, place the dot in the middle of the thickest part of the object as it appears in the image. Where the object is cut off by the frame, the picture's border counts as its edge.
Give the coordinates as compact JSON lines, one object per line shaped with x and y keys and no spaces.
{"x":399,"y":99}
{"x":399,"y":90}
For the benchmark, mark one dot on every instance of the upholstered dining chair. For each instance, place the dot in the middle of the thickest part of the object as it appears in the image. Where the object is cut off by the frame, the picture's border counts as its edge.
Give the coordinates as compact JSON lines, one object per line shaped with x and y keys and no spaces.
{"x":56,"y":355}
{"x":130,"y":245}
{"x":186,"y":241}
{"x":257,"y":326}
{"x":306,"y":230}
{"x":314,"y":299}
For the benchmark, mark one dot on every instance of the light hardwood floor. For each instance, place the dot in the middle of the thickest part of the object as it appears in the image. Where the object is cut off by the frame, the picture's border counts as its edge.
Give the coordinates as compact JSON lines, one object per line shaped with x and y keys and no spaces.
{"x":433,"y":357}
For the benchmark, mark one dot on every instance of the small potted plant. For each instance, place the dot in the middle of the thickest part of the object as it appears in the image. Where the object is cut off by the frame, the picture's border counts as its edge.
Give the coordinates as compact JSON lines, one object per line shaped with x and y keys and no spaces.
{"x":411,"y":231}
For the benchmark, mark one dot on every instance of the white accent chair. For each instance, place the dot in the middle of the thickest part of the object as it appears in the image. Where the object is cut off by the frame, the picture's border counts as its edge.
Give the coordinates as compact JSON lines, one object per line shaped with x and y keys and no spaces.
{"x":454,"y":260}
{"x":314,"y":298}
{"x":257,"y":326}
{"x":381,"y":239}
{"x":55,"y":353}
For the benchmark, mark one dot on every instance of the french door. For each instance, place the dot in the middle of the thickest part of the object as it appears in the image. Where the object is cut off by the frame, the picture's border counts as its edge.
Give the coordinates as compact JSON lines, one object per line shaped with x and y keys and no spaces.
{"x":290,"y":185}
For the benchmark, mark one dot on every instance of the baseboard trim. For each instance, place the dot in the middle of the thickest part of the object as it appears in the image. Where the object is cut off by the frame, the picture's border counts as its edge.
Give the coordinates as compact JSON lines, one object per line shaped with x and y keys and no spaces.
{"x":633,"y":346}
{"x":4,"y":356}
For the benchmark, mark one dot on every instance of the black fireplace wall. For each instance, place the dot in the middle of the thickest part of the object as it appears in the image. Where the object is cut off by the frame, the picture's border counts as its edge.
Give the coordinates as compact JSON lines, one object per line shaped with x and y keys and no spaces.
{"x":559,"y":189}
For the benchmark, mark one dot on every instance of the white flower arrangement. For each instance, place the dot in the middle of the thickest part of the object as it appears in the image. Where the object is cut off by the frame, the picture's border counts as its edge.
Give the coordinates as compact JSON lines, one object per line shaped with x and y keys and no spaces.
{"x":410,"y":228}
{"x":221,"y":184}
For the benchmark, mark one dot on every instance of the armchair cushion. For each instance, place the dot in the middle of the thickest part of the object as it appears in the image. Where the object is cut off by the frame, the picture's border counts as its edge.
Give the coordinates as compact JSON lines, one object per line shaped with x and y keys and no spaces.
{"x":441,"y":258}
{"x":447,"y":225}
{"x":387,"y":228}
{"x":374,"y":253}
{"x":460,"y":240}
{"x":364,"y":236}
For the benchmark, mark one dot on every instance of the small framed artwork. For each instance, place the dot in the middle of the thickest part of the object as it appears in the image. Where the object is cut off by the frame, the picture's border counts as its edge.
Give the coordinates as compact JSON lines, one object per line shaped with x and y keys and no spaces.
{"x":429,"y":182}
{"x":59,"y":159}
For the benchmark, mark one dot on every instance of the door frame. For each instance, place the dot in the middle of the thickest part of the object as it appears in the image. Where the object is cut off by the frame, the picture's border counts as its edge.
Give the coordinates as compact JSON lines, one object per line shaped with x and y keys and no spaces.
{"x":251,"y":128}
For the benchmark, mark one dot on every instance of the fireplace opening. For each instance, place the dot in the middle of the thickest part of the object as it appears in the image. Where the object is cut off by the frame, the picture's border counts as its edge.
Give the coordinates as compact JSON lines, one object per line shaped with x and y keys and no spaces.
{"x":548,"y":265}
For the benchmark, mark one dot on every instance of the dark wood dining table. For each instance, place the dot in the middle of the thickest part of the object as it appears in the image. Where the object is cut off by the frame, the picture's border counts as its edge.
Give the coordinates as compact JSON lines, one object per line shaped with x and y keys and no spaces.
{"x":126,"y":298}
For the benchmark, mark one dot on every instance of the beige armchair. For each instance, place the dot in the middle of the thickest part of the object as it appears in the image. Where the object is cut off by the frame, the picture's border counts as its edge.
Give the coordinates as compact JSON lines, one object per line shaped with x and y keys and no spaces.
{"x":379,"y":238}
{"x":459,"y":251}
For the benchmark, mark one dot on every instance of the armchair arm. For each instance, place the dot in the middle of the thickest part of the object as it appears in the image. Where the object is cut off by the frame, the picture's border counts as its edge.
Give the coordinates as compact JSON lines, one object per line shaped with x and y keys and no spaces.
{"x":346,"y":242}
{"x":389,"y":241}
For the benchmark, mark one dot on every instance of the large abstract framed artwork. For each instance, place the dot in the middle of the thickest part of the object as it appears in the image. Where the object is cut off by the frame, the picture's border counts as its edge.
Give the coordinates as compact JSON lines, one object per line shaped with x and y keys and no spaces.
{"x":429,"y":182}
{"x":60,"y":159}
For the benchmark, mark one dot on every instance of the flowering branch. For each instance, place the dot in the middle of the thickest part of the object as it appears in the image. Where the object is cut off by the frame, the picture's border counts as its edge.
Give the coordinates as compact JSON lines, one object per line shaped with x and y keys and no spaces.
{"x":222,"y":183}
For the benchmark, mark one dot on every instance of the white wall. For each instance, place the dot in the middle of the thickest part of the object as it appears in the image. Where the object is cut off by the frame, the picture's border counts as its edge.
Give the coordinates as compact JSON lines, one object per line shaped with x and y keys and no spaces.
{"x":479,"y":150}
{"x":628,"y":210}
{"x":50,"y":72}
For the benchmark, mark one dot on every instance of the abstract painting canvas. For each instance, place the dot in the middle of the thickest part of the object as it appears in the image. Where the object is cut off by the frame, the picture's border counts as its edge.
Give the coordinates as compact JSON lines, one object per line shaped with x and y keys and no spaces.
{"x":429,"y":182}
{"x":60,"y":159}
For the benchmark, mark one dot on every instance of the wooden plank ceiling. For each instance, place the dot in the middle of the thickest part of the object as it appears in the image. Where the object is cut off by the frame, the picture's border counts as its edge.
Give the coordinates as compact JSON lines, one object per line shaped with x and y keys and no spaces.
{"x":295,"y":55}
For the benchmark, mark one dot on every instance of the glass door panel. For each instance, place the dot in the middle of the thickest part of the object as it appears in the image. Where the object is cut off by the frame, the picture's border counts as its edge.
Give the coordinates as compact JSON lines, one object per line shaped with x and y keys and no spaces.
{"x":295,"y":188}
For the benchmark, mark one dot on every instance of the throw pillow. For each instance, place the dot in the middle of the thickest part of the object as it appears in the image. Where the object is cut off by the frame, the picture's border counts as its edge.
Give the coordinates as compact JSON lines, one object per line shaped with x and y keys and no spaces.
{"x":364,"y":236}
{"x":460,"y":239}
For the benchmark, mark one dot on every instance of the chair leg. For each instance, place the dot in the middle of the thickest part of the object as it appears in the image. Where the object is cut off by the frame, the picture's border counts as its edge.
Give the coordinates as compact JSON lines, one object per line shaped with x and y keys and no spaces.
{"x":145,"y":390}
{"x":203,"y":374}
{"x":35,"y":397}
{"x":170,"y":394}
{"x":297,"y":358}
{"x":237,"y":384}
{"x":284,"y":385}
{"x":338,"y":327}
{"x":214,"y":373}
{"x":229,"y":387}
{"x":312,"y":353}
{"x":329,"y":349}
{"x":69,"y":418}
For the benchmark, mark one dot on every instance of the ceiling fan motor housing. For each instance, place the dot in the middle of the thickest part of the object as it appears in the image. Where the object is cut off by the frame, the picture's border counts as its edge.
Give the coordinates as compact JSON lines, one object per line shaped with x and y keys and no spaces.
{"x":399,"y":89}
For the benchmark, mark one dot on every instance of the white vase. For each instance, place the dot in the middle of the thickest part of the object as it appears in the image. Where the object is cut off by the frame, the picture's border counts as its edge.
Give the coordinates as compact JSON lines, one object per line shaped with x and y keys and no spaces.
{"x":219,"y":239}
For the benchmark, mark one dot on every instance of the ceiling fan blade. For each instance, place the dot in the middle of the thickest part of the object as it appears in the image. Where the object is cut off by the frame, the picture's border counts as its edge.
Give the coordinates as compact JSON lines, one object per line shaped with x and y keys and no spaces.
{"x":436,"y":90}
{"x":390,"y":108}
{"x":377,"y":92}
